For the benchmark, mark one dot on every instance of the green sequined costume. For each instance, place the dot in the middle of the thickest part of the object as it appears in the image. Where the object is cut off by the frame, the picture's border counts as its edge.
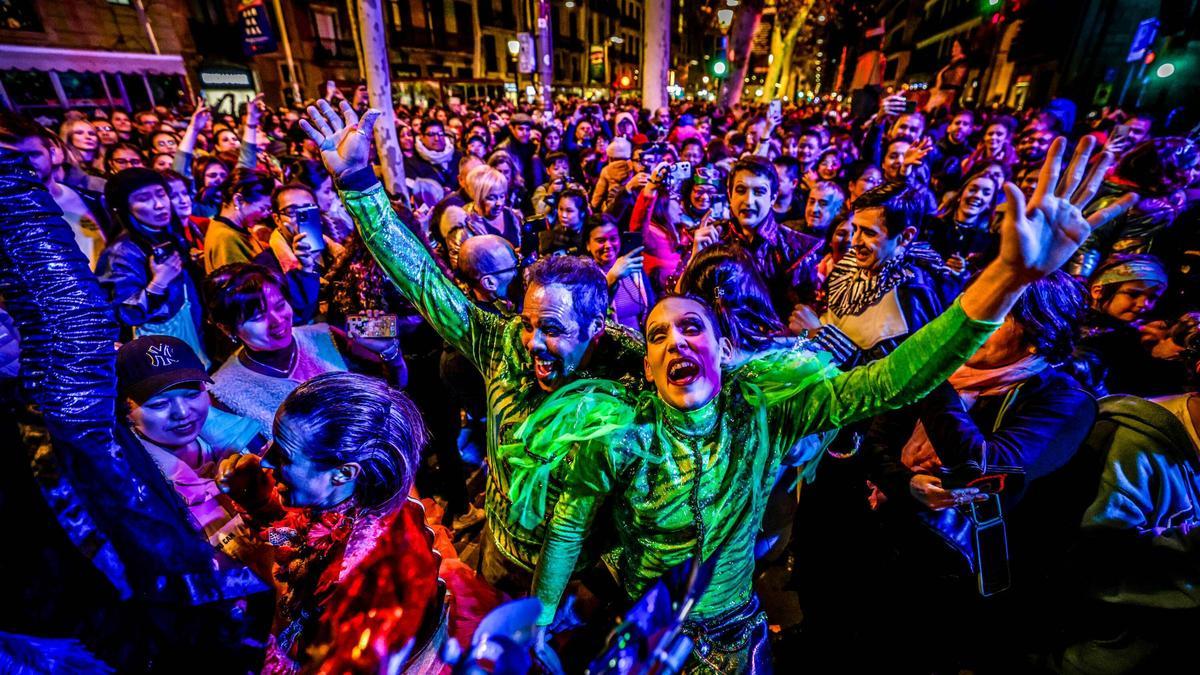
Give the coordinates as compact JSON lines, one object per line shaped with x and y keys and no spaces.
{"x":493,"y":345}
{"x":681,"y":480}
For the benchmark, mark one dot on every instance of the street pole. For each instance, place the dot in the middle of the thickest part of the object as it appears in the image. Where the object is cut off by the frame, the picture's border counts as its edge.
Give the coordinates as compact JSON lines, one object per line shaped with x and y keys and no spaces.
{"x":145,"y":21}
{"x":379,"y":93}
{"x":287,"y":53}
{"x":545,"y":48}
{"x":656,"y":53}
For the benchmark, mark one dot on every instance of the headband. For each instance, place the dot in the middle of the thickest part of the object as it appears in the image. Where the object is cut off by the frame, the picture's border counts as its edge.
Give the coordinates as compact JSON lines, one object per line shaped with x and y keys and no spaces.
{"x":1142,"y":269}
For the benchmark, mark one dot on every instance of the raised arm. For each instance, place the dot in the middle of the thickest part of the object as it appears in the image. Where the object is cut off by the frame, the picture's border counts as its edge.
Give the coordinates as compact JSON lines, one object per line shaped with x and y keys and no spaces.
{"x":182,"y":163}
{"x":345,"y":147}
{"x":1036,"y":240}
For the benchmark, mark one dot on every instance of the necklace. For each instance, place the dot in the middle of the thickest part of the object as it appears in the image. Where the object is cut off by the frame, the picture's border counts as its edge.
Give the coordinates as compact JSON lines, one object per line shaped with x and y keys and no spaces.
{"x":283,"y":372}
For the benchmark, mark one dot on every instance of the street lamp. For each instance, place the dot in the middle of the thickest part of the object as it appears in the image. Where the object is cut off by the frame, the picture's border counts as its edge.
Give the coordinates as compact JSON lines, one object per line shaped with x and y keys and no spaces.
{"x":514,"y":48}
{"x":724,"y":19}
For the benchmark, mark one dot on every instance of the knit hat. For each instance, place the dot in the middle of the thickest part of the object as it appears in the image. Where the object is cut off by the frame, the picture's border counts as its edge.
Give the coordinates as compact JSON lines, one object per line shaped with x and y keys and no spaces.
{"x":619,"y":148}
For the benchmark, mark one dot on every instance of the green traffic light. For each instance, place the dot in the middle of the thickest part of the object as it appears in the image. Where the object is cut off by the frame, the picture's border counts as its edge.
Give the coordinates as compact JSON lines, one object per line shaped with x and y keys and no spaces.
{"x":719,"y":67}
{"x":991,"y":6}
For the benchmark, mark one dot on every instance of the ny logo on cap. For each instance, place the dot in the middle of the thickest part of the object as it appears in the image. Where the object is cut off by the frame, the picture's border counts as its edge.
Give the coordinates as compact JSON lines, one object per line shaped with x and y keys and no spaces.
{"x":161,"y":355}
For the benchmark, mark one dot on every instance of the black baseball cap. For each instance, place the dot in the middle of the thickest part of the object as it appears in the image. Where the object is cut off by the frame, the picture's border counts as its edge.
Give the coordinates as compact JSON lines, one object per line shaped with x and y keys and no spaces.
{"x":152,"y":363}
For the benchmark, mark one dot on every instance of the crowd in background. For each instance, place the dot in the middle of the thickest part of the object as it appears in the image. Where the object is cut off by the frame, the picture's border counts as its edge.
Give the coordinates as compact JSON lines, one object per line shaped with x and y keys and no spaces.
{"x":253,"y":318}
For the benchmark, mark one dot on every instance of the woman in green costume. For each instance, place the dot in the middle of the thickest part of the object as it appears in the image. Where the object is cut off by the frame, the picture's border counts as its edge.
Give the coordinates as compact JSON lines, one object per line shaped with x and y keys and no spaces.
{"x":689,"y":467}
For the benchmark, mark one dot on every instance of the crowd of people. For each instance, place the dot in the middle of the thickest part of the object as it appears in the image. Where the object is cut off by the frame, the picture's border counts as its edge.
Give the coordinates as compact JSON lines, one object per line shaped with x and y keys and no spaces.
{"x":930,"y":371}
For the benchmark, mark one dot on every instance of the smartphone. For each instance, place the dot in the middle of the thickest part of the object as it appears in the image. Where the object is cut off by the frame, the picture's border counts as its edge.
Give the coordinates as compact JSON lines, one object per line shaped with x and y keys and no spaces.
{"x":630,"y":241}
{"x":993,"y":572}
{"x":363,"y":326}
{"x":308,"y":222}
{"x":1120,"y":134}
{"x":775,"y":109}
{"x":161,"y":252}
{"x":679,"y":171}
{"x":910,"y":107}
{"x":719,"y":210}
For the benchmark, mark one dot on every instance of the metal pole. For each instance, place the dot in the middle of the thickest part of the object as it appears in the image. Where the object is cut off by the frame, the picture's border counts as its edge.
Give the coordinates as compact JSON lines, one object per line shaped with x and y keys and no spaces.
{"x":145,"y":21}
{"x":656,"y":53}
{"x":545,"y":48}
{"x":287,"y":52}
{"x":379,"y":92}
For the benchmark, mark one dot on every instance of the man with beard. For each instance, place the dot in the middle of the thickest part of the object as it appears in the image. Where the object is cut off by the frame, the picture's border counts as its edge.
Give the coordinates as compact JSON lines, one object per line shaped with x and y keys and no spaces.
{"x":952,"y":149}
{"x":1031,"y":152}
{"x":963,"y":237}
{"x":520,"y":145}
{"x":687,"y":470}
{"x":778,"y":252}
{"x":559,"y":335}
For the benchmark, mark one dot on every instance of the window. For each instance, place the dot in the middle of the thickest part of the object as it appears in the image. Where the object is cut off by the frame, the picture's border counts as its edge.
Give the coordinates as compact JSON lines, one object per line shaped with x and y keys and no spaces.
{"x":19,"y":15}
{"x":397,"y":15}
{"x":448,"y":12}
{"x":29,"y":88}
{"x":490,"y":63}
{"x":419,"y":19}
{"x":325,"y":22}
{"x":83,"y":89}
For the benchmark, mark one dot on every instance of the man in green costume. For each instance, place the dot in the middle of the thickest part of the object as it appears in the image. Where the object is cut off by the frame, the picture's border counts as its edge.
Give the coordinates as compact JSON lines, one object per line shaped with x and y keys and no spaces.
{"x":688,"y":468}
{"x":560,"y":335}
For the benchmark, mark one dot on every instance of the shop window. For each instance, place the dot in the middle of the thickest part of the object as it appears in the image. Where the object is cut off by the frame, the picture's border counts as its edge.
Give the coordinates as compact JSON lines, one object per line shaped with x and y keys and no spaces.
{"x":83,"y":89}
{"x":29,"y":88}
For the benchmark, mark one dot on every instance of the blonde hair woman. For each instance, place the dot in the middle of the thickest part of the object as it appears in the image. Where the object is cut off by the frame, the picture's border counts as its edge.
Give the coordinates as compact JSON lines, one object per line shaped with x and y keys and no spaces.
{"x":83,"y":145}
{"x":488,"y":189}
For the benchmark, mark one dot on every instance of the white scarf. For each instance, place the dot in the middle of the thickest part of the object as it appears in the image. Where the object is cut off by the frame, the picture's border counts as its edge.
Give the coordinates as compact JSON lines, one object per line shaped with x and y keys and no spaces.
{"x":441,"y":159}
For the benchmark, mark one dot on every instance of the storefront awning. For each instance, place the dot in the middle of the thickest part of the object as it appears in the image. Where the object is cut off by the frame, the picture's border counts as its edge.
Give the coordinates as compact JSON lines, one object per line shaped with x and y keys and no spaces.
{"x":14,"y":57}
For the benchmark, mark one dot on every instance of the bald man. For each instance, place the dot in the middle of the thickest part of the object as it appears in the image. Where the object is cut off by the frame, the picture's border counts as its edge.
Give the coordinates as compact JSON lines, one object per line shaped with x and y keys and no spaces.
{"x":489,"y":266}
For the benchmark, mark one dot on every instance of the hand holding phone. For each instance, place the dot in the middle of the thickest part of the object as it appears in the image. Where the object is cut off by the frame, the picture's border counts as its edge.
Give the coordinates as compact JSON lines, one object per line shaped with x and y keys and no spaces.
{"x":372,"y":326}
{"x":308,"y":222}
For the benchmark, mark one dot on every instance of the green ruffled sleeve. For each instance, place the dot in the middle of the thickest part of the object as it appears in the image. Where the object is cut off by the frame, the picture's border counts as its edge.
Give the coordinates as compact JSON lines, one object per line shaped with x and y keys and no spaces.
{"x":923,"y":361}
{"x":582,"y":413}
{"x":592,"y":422}
{"x":473,"y":332}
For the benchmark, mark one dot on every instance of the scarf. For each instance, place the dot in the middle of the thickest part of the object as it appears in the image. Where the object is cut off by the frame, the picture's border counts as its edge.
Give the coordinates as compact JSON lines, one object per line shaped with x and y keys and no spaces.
{"x":852,"y":290}
{"x":440,"y":159}
{"x":971,"y":384}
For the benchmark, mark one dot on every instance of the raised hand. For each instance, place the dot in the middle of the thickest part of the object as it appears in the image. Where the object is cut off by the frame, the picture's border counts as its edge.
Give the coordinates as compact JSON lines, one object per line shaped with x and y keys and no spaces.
{"x":1039,"y":237}
{"x":345,"y":142}
{"x":254,"y":110}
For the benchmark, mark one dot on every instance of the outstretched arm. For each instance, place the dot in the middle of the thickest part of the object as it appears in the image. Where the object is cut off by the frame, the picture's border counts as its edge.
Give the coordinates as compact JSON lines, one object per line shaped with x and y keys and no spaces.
{"x":1036,"y":240}
{"x":345,"y":144}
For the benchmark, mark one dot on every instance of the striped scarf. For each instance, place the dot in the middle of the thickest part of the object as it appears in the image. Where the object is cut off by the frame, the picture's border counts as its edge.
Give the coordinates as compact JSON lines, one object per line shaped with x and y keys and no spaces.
{"x":852,"y":290}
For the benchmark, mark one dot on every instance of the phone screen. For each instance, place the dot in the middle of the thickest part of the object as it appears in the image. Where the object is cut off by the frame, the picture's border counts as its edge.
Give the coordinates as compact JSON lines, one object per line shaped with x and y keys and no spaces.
{"x":630,"y":241}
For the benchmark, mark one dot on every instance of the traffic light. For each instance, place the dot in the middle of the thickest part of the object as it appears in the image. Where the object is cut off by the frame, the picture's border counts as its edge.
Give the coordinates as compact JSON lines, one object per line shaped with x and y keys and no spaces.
{"x":991,"y":6}
{"x":719,"y":66}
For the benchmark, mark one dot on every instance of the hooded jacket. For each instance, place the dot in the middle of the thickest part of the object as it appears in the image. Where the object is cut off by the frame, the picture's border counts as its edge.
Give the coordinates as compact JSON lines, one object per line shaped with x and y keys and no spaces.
{"x":1142,"y":531}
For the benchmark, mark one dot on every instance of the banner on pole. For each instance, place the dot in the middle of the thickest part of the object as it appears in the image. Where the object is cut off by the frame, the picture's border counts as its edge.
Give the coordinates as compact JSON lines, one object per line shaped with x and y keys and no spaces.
{"x":526,"y":61}
{"x":258,"y":33}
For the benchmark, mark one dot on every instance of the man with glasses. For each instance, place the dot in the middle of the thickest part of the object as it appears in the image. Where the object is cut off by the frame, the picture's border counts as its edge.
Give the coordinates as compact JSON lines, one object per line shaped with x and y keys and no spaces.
{"x":290,"y":252}
{"x":489,"y":267}
{"x":436,"y":157}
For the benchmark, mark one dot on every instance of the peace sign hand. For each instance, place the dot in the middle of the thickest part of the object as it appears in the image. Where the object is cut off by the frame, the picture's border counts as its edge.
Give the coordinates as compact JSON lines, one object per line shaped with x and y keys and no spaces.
{"x":345,"y":142}
{"x":1040,"y":237}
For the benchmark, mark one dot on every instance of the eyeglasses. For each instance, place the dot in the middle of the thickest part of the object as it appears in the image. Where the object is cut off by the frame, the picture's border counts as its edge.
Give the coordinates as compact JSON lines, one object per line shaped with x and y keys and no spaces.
{"x":292,"y":211}
{"x":503,"y":270}
{"x":127,"y":162}
{"x":434,"y":134}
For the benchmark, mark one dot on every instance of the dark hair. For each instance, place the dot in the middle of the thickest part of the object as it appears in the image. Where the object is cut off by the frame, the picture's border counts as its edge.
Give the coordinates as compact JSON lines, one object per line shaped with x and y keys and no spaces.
{"x":757,"y":166}
{"x":15,"y":128}
{"x":713,"y":317}
{"x":595,"y":221}
{"x":1049,"y":313}
{"x":173,"y":175}
{"x":581,"y":276}
{"x":250,"y":184}
{"x":581,"y":200}
{"x":235,"y":293}
{"x":150,"y":138}
{"x":789,"y":164}
{"x":430,"y":122}
{"x":727,"y":279}
{"x":557,"y":156}
{"x":308,"y":172}
{"x":338,"y":418}
{"x":904,"y":205}
{"x":120,"y":145}
{"x":289,"y":187}
{"x":694,"y":140}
